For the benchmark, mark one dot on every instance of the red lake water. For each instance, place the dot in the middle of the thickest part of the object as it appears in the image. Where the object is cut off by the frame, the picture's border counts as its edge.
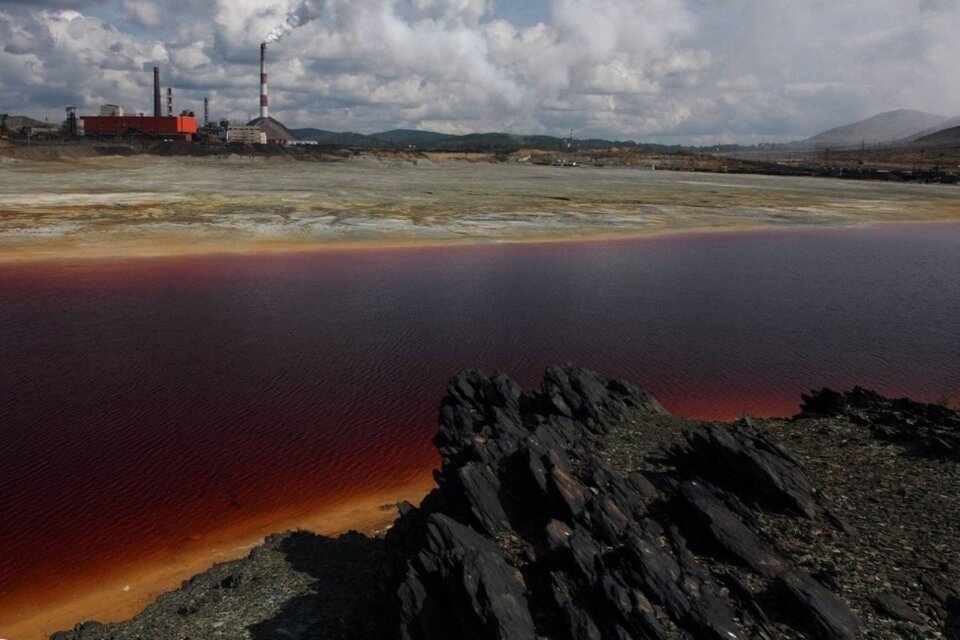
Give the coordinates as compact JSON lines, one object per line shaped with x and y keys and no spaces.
{"x":142,"y":401}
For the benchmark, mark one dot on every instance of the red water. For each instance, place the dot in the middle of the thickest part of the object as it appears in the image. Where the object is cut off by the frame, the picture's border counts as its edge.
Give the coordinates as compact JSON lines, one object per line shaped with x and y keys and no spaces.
{"x":145,"y":401}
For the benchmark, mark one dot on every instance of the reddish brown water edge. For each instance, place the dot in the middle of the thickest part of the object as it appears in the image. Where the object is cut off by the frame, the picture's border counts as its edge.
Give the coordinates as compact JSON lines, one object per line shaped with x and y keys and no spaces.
{"x":148,"y":408}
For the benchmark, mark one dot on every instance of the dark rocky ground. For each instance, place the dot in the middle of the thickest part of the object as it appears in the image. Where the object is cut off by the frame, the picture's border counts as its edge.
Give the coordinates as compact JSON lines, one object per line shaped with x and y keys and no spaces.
{"x":583,"y":510}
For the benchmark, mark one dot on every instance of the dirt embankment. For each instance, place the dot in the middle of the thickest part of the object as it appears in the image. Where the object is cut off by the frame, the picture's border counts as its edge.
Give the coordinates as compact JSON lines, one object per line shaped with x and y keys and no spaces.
{"x":902,"y":164}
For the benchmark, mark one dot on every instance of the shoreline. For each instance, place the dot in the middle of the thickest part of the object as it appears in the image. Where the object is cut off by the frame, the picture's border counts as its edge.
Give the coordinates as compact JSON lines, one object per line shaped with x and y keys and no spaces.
{"x":253,"y":249}
{"x":119,"y":595}
{"x":857,"y":445}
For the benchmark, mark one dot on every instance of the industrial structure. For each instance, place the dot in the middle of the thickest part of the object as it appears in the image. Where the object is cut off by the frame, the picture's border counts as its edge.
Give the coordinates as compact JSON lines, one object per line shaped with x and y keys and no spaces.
{"x":156,"y":92}
{"x":71,"y":127}
{"x":264,"y":100}
{"x":245,"y":135}
{"x":166,"y":128}
{"x":276,"y":132}
{"x":112,"y":122}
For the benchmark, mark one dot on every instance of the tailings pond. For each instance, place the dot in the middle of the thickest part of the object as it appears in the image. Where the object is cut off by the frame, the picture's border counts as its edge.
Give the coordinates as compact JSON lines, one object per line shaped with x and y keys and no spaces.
{"x":147,"y":403}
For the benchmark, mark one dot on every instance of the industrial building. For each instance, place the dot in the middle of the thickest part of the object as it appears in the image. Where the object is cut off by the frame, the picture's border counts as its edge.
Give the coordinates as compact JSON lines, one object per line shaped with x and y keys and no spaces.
{"x":246,"y":135}
{"x":167,"y":128}
{"x":113,"y":122}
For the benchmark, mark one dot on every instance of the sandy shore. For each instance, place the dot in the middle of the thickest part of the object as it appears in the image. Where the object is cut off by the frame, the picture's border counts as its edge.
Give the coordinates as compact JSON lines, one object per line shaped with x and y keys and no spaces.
{"x":120,"y":593}
{"x":147,"y":206}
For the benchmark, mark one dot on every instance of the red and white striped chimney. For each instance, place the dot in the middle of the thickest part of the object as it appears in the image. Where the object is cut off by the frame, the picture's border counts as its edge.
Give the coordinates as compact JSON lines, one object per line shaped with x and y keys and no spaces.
{"x":264,"y":101}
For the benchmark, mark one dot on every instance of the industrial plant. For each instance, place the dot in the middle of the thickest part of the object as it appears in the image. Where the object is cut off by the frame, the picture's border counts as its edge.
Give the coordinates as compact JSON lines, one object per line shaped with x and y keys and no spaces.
{"x":113,"y":122}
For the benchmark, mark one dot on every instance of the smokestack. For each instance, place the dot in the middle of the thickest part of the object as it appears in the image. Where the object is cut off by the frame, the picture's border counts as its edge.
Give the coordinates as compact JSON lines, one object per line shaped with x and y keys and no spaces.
{"x":169,"y":102}
{"x":157,"y":110}
{"x":264,"y":101}
{"x":206,"y":112}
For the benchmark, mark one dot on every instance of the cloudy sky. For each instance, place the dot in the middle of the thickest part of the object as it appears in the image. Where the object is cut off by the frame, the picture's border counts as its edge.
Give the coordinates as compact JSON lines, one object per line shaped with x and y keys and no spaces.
{"x":691,"y":71}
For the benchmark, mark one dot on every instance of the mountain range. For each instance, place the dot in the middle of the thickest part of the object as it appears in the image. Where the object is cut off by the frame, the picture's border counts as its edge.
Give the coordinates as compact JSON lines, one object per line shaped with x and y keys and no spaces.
{"x":904,"y":126}
{"x":433,"y":141}
{"x":901,"y":127}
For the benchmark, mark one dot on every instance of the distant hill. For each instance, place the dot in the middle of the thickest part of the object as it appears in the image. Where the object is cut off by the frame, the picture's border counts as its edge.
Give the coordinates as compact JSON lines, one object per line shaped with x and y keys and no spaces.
{"x":18,"y":122}
{"x":412,"y":137}
{"x":314,"y":135}
{"x":347,"y":139}
{"x":943,"y":126}
{"x":945,"y":138}
{"x":500,"y":142}
{"x":434,"y":141}
{"x":904,"y":125}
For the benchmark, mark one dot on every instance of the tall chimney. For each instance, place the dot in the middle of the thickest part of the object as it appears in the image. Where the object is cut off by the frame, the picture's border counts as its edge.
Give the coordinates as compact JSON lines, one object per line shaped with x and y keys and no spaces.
{"x":157,"y":110}
{"x":264,"y":101}
{"x":169,"y":102}
{"x":206,"y":112}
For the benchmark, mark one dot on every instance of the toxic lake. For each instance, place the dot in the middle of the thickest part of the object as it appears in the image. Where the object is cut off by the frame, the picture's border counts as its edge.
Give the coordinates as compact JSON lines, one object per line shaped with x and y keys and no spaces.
{"x":165,"y":412}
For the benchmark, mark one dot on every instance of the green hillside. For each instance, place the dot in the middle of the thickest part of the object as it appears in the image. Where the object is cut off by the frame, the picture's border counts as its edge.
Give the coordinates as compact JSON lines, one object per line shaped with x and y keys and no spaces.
{"x":412,"y":137}
{"x":347,"y":139}
{"x":403,"y":139}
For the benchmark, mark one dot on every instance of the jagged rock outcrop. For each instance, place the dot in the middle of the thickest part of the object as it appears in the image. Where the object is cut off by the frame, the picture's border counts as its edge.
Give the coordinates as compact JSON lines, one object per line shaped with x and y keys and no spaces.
{"x":532,"y":533}
{"x":924,"y":428}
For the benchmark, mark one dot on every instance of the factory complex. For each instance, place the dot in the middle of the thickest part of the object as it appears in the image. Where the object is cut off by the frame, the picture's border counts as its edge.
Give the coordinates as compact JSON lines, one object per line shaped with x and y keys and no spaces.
{"x":112,"y":122}
{"x":173,"y":127}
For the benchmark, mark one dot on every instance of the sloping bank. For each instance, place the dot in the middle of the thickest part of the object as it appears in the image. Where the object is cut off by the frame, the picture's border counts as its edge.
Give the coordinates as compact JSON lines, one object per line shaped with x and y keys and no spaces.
{"x":583,"y":510}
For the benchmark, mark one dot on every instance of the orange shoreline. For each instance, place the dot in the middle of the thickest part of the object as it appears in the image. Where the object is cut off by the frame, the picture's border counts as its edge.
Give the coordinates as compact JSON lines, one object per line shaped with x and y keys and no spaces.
{"x":153,"y":247}
{"x":120,"y":593}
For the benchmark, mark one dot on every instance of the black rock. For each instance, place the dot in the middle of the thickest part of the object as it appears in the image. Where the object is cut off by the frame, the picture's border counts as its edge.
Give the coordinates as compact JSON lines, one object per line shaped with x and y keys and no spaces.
{"x":81,"y":632}
{"x":752,"y":466}
{"x":822,"y":611}
{"x":921,"y":427}
{"x":894,"y":607}
{"x":531,"y":532}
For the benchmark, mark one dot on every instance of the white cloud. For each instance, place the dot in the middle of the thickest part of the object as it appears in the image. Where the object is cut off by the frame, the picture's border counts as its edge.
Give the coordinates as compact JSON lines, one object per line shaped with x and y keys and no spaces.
{"x":145,"y":13}
{"x":686,"y":70}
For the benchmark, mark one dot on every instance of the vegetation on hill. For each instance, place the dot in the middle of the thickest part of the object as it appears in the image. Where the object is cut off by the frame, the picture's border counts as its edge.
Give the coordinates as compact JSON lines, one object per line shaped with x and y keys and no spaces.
{"x":494,"y":142}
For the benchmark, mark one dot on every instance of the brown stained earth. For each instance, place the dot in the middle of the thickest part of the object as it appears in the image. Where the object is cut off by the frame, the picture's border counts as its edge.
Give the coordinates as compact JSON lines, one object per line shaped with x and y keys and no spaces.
{"x":147,"y":205}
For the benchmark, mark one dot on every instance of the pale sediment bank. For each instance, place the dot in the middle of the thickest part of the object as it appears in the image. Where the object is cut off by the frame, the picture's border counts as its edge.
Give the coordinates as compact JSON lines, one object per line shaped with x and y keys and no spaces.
{"x":118,"y":593}
{"x":129,"y":207}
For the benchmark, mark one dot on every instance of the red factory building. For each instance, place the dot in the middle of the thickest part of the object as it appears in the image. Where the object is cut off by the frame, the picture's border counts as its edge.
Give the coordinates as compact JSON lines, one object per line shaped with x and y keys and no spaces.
{"x":168,"y":128}
{"x":112,"y":121}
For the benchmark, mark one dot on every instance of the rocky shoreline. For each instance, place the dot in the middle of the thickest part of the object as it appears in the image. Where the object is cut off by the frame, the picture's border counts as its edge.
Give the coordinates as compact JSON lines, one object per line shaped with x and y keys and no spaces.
{"x":583,"y":510}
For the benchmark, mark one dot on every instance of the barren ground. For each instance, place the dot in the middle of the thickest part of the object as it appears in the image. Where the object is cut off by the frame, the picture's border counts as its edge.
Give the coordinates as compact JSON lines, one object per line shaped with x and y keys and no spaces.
{"x":145,"y":205}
